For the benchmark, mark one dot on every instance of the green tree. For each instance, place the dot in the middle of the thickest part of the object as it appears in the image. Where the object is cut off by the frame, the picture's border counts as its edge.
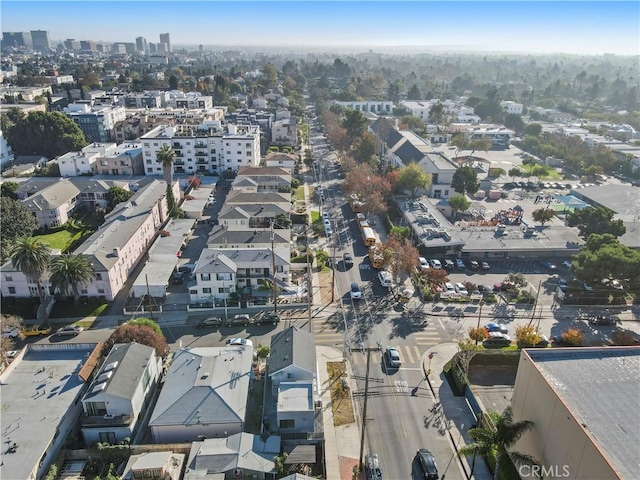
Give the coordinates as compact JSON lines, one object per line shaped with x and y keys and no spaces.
{"x":414,"y":93}
{"x":270,"y":74}
{"x":173,"y":82}
{"x":490,"y":441}
{"x":480,"y":144}
{"x":116,"y":195}
{"x":69,"y":271}
{"x":436,"y":113}
{"x":409,"y":122}
{"x":166,"y":157}
{"x":517,"y":279}
{"x":49,"y":134}
{"x":172,"y":206}
{"x":16,"y":221}
{"x":458,"y":203}
{"x":514,"y":122}
{"x":9,"y":189}
{"x":364,"y":149}
{"x":603,"y":256}
{"x":595,"y":220}
{"x":282,"y":221}
{"x":543,"y":215}
{"x":354,"y":123}
{"x":515,"y":172}
{"x":465,"y":180}
{"x":32,"y":258}
{"x":414,"y":178}
{"x":533,"y":129}
{"x":460,"y":141}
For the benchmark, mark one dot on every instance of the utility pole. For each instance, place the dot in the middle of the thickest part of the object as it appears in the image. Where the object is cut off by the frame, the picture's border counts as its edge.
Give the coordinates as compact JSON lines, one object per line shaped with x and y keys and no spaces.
{"x":535,"y":303}
{"x":333,"y":267}
{"x":273,"y":266}
{"x":146,"y":279}
{"x":366,"y":394}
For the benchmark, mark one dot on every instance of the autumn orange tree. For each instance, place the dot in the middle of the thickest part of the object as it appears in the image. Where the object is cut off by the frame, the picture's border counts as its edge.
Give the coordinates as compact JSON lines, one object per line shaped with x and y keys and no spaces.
{"x":399,"y":256}
{"x":572,"y":337}
{"x":434,"y":278}
{"x":143,"y":331}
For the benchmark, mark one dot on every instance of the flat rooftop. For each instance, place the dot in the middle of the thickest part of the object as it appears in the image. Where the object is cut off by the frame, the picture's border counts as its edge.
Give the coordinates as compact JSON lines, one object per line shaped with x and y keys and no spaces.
{"x":600,"y":387}
{"x":622,"y":199}
{"x":38,"y":390}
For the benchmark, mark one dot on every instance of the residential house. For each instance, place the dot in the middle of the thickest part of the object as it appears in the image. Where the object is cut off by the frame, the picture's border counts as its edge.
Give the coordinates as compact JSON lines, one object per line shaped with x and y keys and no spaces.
{"x":261,"y":183}
{"x":500,"y":137}
{"x":154,"y":465}
{"x":285,"y":132}
{"x":250,"y":216}
{"x":512,"y":107}
{"x":204,"y":395}
{"x":371,"y":106}
{"x":242,"y":455}
{"x":242,"y":197}
{"x":120,"y":393}
{"x":222,"y":238}
{"x":293,"y":374}
{"x":219,"y":273}
{"x":286,"y":161}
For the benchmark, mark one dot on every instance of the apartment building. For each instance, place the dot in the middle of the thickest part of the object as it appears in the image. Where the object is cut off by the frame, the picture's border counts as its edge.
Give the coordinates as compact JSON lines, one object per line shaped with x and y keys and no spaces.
{"x":370,"y":106}
{"x":512,"y":107}
{"x":285,"y":132}
{"x":97,"y":122}
{"x":102,"y":159}
{"x":120,"y":393}
{"x":209,"y":147}
{"x":189,"y":100}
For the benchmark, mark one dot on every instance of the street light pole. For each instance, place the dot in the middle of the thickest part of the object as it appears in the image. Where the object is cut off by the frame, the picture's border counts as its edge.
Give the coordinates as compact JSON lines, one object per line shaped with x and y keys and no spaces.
{"x":479,"y":316}
{"x":333,"y":269}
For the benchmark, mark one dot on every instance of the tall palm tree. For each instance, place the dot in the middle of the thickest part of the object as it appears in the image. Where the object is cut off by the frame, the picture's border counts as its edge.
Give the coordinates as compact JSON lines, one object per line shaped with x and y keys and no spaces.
{"x":166,"y":157}
{"x":496,"y":441}
{"x":32,"y":257}
{"x":69,"y":271}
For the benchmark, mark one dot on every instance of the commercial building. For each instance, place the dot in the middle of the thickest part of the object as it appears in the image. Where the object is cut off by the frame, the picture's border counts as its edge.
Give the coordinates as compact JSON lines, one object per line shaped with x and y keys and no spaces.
{"x":584,"y":406}
{"x":40,"y":40}
{"x":97,"y":122}
{"x":165,"y":40}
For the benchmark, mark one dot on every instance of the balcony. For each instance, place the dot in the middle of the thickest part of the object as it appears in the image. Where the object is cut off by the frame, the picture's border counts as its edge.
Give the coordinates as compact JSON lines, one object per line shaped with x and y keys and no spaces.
{"x":200,"y":145}
{"x":178,"y":146}
{"x":179,"y":154}
{"x":179,"y":162}
{"x":106,"y":420}
{"x":202,"y":162}
{"x":201,"y":153}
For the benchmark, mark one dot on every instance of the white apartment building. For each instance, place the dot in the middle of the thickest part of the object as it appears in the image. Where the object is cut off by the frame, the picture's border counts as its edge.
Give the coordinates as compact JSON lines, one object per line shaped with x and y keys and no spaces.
{"x":178,"y":99}
{"x":102,"y":159}
{"x":73,"y":164}
{"x":371,"y":106}
{"x":6,"y":153}
{"x":285,"y":132}
{"x":512,"y":107}
{"x":208,"y":147}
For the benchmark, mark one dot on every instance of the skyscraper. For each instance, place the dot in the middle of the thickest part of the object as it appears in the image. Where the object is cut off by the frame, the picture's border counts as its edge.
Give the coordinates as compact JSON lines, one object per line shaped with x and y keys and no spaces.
{"x":40,"y":39}
{"x":16,"y":40}
{"x":164,"y":38}
{"x":141,"y":45}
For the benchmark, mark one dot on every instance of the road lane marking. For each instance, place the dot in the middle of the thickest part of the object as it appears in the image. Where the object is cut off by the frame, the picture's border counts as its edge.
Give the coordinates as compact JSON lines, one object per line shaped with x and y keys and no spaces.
{"x":409,"y":355}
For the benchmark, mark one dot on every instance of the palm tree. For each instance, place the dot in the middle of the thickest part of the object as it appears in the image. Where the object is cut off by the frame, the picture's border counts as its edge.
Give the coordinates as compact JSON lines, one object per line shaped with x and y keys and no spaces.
{"x":497,"y":440}
{"x":166,"y":156}
{"x":69,"y":271}
{"x":32,"y":257}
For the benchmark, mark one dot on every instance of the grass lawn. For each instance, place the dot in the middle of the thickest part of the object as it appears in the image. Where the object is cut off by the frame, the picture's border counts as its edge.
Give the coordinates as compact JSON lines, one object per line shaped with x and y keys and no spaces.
{"x":298,"y":194}
{"x":315,"y":216}
{"x":551,"y":173}
{"x":58,"y":240}
{"x":340,"y":395}
{"x":92,"y":308}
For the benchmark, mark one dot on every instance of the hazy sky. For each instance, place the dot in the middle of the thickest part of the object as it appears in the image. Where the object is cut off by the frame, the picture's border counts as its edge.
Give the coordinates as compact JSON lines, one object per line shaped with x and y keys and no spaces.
{"x":583,"y":27}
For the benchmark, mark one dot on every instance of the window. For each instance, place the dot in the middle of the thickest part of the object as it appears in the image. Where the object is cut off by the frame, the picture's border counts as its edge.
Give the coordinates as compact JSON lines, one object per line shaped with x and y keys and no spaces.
{"x":98,"y":276}
{"x":288,"y":423}
{"x":8,"y":278}
{"x":150,"y":170}
{"x":248,"y":145}
{"x":205,"y":277}
{"x":223,"y":276}
{"x":239,"y":152}
{"x":206,"y":290}
{"x":12,"y":290}
{"x":101,"y":290}
{"x":437,"y":194}
{"x":193,"y":292}
{"x":446,"y":193}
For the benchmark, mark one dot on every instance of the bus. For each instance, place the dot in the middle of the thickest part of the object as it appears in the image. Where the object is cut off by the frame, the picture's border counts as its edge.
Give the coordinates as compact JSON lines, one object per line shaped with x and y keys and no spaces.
{"x":369,"y":237}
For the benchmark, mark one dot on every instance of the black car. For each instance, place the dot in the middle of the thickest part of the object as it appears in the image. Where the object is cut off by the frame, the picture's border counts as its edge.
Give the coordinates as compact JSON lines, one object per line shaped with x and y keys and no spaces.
{"x":428,"y":464}
{"x":348,"y":260}
{"x":177,"y":278}
{"x":265,"y":317}
{"x":209,"y":322}
{"x":602,"y":321}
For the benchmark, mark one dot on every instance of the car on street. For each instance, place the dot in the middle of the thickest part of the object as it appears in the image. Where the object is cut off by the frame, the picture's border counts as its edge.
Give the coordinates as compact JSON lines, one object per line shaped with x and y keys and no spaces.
{"x":460,"y":264}
{"x":435,"y":264}
{"x":69,"y":331}
{"x":549,"y":266}
{"x":177,"y":278}
{"x":267,"y":317}
{"x":392,"y":357}
{"x":372,"y":467}
{"x":37,"y":330}
{"x":485,"y":266}
{"x":385,"y":278}
{"x":328,"y":230}
{"x":423,"y":264}
{"x":428,"y":464}
{"x":187,"y":268}
{"x":239,"y":319}
{"x":347,"y":258}
{"x":242,"y":342}
{"x":355,"y":291}
{"x":497,"y":340}
{"x":327,"y":222}
{"x":325,"y":216}
{"x":587,"y":287}
{"x":567,"y":264}
{"x":210,"y":322}
{"x":496,"y":327}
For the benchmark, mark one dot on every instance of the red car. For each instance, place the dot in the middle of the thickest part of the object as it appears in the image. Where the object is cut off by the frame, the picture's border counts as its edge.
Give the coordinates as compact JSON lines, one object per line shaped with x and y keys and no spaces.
{"x":503,"y":286}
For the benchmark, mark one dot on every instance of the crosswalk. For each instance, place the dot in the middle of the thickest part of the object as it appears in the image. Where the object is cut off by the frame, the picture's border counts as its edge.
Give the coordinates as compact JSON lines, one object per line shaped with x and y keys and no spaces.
{"x":409,"y":355}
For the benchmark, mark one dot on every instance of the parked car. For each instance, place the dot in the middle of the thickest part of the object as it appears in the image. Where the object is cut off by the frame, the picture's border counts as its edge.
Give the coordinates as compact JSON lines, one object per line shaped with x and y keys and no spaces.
{"x":209,"y":322}
{"x":497,"y":340}
{"x":328,"y":230}
{"x":474,"y":265}
{"x":428,"y":464}
{"x":36,"y":330}
{"x":461,"y":289}
{"x":325,"y":216}
{"x":587,"y":287}
{"x":449,"y":265}
{"x":460,"y":264}
{"x":602,"y":320}
{"x":177,"y":278}
{"x":435,"y":264}
{"x":567,"y":264}
{"x":392,"y":357}
{"x":187,"y":268}
{"x":496,"y":327}
{"x":485,"y":288}
{"x":240,"y":319}
{"x":372,"y":467}
{"x":69,"y":331}
{"x":423,"y":263}
{"x":385,"y":279}
{"x":355,"y":292}
{"x":485,"y":266}
{"x":11,"y":333}
{"x":243,"y":342}
{"x":347,"y":259}
{"x":267,"y":317}
{"x":549,"y":266}
{"x":503,"y":286}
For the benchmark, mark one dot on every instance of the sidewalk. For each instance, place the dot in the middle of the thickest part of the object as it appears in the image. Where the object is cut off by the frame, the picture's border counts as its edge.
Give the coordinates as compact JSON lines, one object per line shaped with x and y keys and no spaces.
{"x":455,"y":409}
{"x":341,"y":443}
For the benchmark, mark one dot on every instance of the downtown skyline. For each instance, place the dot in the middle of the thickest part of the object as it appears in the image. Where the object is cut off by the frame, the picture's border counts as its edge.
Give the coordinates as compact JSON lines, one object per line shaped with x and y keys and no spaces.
{"x":574,"y":27}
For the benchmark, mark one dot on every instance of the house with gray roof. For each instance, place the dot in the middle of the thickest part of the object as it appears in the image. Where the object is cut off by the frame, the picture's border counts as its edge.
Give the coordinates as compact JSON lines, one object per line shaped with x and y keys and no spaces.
{"x":251,"y":215}
{"x":242,"y":455}
{"x":242,"y":197}
{"x":165,"y":465}
{"x":220,"y":272}
{"x":261,"y":183}
{"x":292,"y":373}
{"x":204,"y":395}
{"x":223,"y":238}
{"x":120,"y":393}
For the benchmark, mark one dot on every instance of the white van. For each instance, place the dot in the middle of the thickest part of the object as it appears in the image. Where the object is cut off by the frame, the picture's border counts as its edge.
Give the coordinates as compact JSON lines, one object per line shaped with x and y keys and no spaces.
{"x":385,"y":279}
